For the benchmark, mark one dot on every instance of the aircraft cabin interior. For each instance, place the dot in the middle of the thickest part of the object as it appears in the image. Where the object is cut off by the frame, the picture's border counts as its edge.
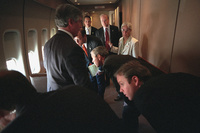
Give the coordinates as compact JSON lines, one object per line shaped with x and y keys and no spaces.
{"x":168,"y":32}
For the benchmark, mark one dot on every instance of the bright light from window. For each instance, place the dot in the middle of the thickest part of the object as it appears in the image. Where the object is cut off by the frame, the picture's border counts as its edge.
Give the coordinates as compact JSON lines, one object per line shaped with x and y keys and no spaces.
{"x":12,"y":64}
{"x":33,"y":60}
{"x":53,"y":31}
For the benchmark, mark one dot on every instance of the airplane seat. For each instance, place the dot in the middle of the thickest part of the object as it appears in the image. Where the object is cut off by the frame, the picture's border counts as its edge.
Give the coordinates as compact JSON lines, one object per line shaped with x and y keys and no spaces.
{"x":39,"y":81}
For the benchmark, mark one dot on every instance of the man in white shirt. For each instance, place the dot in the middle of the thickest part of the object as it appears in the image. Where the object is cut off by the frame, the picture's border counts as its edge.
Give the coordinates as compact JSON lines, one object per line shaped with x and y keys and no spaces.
{"x":90,"y":30}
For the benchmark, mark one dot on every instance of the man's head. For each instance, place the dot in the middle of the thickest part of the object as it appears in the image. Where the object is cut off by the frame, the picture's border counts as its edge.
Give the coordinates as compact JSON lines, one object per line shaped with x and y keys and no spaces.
{"x":14,"y":89}
{"x":87,"y":21}
{"x":131,"y":76}
{"x":126,"y":29}
{"x":69,"y":18}
{"x":81,"y":37}
{"x":104,"y":20}
{"x":98,"y":55}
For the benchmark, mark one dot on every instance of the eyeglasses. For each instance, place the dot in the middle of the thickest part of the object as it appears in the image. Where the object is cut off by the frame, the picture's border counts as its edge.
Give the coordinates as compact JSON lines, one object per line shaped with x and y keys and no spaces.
{"x":125,"y":30}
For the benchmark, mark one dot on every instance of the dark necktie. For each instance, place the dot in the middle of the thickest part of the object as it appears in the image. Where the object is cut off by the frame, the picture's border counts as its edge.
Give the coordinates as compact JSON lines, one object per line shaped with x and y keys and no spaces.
{"x":107,"y":40}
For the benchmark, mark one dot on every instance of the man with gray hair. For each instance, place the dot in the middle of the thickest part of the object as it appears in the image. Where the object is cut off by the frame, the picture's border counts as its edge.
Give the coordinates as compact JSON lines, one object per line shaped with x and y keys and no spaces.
{"x":63,"y":58}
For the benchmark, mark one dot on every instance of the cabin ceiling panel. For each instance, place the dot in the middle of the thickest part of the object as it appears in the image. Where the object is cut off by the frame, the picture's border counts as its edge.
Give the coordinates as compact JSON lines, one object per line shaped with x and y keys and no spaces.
{"x":92,"y":2}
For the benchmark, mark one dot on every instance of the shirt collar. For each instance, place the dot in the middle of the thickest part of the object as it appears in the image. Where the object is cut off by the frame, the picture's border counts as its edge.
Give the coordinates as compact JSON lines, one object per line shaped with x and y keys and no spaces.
{"x":85,"y":44}
{"x":87,"y":28}
{"x":66,"y":32}
{"x":106,"y":27}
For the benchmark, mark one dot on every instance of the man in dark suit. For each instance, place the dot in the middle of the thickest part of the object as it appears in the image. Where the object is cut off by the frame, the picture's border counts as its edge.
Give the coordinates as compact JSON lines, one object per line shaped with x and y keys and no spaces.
{"x":90,"y":30}
{"x":63,"y":58}
{"x":170,"y":102}
{"x":113,"y":32}
{"x":72,"y":109}
{"x":108,"y":34}
{"x":88,"y":43}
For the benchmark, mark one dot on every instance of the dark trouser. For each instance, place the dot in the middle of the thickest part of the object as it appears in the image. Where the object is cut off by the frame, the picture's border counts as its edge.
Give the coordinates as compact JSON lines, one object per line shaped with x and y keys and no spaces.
{"x":94,"y":83}
{"x":107,"y":80}
{"x":98,"y":83}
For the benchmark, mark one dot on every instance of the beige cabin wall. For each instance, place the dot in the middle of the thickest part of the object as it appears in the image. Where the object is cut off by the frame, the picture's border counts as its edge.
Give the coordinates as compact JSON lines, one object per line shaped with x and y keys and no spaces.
{"x":168,"y":32}
{"x":11,"y":19}
{"x":21,"y":16}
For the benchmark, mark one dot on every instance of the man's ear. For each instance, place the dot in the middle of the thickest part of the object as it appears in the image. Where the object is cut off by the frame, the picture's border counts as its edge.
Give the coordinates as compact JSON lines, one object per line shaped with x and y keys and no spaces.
{"x":85,"y":37}
{"x":70,"y":21}
{"x":136,"y":80}
{"x":99,"y":57}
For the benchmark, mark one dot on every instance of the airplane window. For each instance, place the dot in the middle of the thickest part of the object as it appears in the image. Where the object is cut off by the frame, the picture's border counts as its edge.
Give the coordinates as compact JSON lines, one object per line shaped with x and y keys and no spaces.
{"x":13,"y":50}
{"x":53,"y":31}
{"x":12,"y":64}
{"x":33,"y":53}
{"x":44,"y":37}
{"x":33,"y":62}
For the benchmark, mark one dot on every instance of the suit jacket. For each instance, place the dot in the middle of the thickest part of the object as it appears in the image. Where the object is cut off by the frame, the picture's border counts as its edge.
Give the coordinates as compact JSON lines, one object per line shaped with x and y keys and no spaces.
{"x":113,"y":62}
{"x":93,"y":30}
{"x":114,"y":35}
{"x":130,"y":48}
{"x":170,"y":103}
{"x":65,"y":63}
{"x":92,"y":42}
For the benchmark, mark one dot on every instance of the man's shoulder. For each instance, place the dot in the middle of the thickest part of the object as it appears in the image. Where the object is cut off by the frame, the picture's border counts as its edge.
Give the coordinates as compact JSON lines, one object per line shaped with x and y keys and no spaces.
{"x":118,"y":59}
{"x":99,"y":32}
{"x":58,"y":37}
{"x":93,"y":39}
{"x":93,"y":28}
{"x":100,"y":29}
{"x":113,"y":27}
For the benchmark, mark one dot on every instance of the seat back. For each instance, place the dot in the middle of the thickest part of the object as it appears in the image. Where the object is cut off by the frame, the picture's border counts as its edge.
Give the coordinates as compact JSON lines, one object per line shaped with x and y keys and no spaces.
{"x":39,"y":81}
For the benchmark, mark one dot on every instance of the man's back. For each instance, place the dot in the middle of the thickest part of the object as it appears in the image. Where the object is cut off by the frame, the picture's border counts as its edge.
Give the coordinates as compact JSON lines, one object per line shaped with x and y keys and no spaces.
{"x":171,"y":103}
{"x":64,"y":62}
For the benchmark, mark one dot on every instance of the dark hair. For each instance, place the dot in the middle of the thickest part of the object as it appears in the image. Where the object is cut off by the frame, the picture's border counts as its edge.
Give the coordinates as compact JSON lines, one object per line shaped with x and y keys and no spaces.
{"x":14,"y":89}
{"x":87,"y":17}
{"x":64,"y":12}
